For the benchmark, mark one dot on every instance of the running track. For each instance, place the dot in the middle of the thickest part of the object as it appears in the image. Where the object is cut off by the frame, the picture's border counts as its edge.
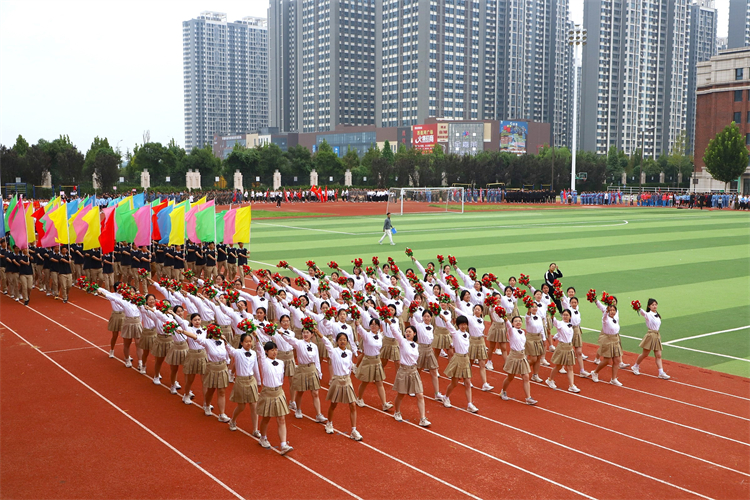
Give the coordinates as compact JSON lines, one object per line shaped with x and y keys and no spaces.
{"x":76,"y":424}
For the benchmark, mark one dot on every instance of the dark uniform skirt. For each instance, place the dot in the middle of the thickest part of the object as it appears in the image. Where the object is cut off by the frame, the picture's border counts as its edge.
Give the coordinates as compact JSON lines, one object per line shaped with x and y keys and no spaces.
{"x":305,"y":378}
{"x":272,"y":402}
{"x":115,"y":321}
{"x":426,"y":359}
{"x":534,"y":344}
{"x":195,"y":362}
{"x":370,"y":369}
{"x":610,"y":346}
{"x":517,"y":364}
{"x":563,"y":355}
{"x":577,"y":338}
{"x":217,"y":376}
{"x":161,"y":346}
{"x":390,"y":350}
{"x":288,"y":358}
{"x":131,"y":328}
{"x":245,"y":390}
{"x":477,"y":348}
{"x":340,"y":390}
{"x":177,"y":353}
{"x":442,"y":338}
{"x":652,"y":341}
{"x":407,"y":380}
{"x":497,"y":332}
{"x":459,"y":367}
{"x":148,"y":339}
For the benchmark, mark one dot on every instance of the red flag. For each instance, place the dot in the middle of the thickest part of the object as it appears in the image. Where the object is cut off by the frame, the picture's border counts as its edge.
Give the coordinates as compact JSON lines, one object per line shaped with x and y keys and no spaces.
{"x":155,"y":233}
{"x":38,"y":226}
{"x":268,"y":194}
{"x":286,"y":196}
{"x":325,"y":195}
{"x":107,"y":235}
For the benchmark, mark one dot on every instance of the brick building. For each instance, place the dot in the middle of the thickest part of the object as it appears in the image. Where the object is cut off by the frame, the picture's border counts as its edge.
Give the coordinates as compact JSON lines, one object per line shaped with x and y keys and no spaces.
{"x":723,"y":96}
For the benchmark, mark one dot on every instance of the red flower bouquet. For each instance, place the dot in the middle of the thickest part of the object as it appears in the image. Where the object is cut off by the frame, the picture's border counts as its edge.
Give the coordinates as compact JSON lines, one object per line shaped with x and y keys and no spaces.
{"x":246,"y":269}
{"x":82,"y":282}
{"x":391,"y":261}
{"x":213,"y":332}
{"x":591,"y":295}
{"x":384,"y":312}
{"x":188,"y":274}
{"x":394,"y":292}
{"x":524,"y":280}
{"x":492,"y":277}
{"x":211,"y":293}
{"x":170,"y":327}
{"x":296,"y":302}
{"x":232,"y":296}
{"x":282,"y":264}
{"x":276,"y":277}
{"x":636,"y":305}
{"x":190,"y":288}
{"x":346,"y":296}
{"x":500,"y":311}
{"x":331,"y":313}
{"x":556,"y":283}
{"x":473,"y":274}
{"x":333,"y":265}
{"x":310,"y":263}
{"x":359,"y":297}
{"x":409,"y":253}
{"x":528,"y":302}
{"x":452,"y":282}
{"x":143,"y":273}
{"x":370,"y":271}
{"x":91,"y":287}
{"x":324,"y":286}
{"x":163,"y":306}
{"x":419,"y":289}
{"x":247,"y":326}
{"x":608,"y":299}
{"x":137,"y":299}
{"x":440,"y":259}
{"x":551,"y":309}
{"x":487,"y":282}
{"x":357,"y":262}
{"x":369,"y":288}
{"x":452,"y":260}
{"x":272,"y":291}
{"x":375,"y":261}
{"x":341,"y":280}
{"x":164,"y":282}
{"x":413,"y":307}
{"x":519,"y":294}
{"x":300,"y":281}
{"x":434,"y":308}
{"x":270,"y":329}
{"x":308,"y":323}
{"x":394,"y":269}
{"x":558,"y":293}
{"x":355,"y":314}
{"x":445,"y":298}
{"x":490,"y":301}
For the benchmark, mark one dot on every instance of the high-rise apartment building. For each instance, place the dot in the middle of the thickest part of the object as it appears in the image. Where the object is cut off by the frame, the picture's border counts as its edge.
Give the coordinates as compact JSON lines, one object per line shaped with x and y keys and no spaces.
{"x":703,"y":47}
{"x":739,"y":24}
{"x":225,"y":68}
{"x":283,"y":65}
{"x":635,"y":75}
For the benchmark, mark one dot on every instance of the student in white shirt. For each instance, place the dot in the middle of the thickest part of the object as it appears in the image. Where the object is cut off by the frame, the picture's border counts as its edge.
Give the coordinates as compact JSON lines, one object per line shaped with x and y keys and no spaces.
{"x":477,"y":347}
{"x":340,"y":389}
{"x":307,"y":374}
{"x":216,"y":378}
{"x":131,"y":326}
{"x":652,"y":340}
{"x":195,"y":362}
{"x":272,"y":401}
{"x":407,"y":378}
{"x":427,"y":359}
{"x":603,"y":309}
{"x":535,"y":336}
{"x":245,"y":388}
{"x":516,"y":363}
{"x":609,"y":342}
{"x":459,"y":366}
{"x":563,"y":356}
{"x":370,"y":368}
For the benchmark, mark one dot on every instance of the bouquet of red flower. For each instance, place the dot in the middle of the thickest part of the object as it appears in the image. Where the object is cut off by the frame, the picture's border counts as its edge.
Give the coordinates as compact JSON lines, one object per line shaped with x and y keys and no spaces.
{"x":528,"y":302}
{"x":308,"y":323}
{"x":355,"y":314}
{"x":394,"y":292}
{"x":419,"y":289}
{"x":591,"y":295}
{"x":434,"y":308}
{"x":232,"y":296}
{"x":369,"y":288}
{"x":163,"y":306}
{"x":490,"y":301}
{"x":486,"y":282}
{"x":170,"y":327}
{"x":143,"y":273}
{"x":122,"y":288}
{"x":341,"y":280}
{"x":270,"y":329}
{"x":260,"y":273}
{"x":300,"y":281}
{"x":333,"y":265}
{"x":636,"y":305}
{"x":213,"y":332}
{"x":391,"y":261}
{"x":558,"y":293}
{"x":310,"y":263}
{"x":500,"y":311}
{"x":211,"y":293}
{"x":346,"y":296}
{"x":164,"y":282}
{"x":492,"y":277}
{"x":247,"y":326}
{"x":174,"y":285}
{"x":296,"y":302}
{"x":188,"y":274}
{"x":409,"y":253}
{"x":445,"y":298}
{"x":320,"y":274}
{"x":452,"y":260}
{"x":370,"y":271}
{"x":519,"y":294}
{"x":331,"y":313}
{"x":556,"y":283}
{"x":551,"y":309}
{"x":276,"y":277}
{"x":282,"y":264}
{"x":263,"y":285}
{"x":324,"y":286}
{"x":272,"y":291}
{"x":375,"y":261}
{"x":472,"y":274}
{"x":452,"y":282}
{"x":394,"y":269}
{"x":608,"y":299}
{"x":91,"y":287}
{"x":440,"y":259}
{"x":137,"y":299}
{"x":524,"y":280}
{"x":246,"y":269}
{"x":384,"y":312}
{"x":190,"y":288}
{"x":82,"y":282}
{"x":413,"y":307}
{"x":411,"y":276}
{"x":357,"y":262}
{"x":359,"y":297}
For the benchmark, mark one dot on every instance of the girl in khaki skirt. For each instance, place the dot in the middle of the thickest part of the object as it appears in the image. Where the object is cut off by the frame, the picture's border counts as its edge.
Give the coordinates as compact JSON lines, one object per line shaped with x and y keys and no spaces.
{"x":496,"y":334}
{"x":459,"y":367}
{"x":427,"y":360}
{"x":245,"y":388}
{"x":307,"y":374}
{"x":272,"y":402}
{"x":370,"y":368}
{"x":442,"y":339}
{"x":131,"y":326}
{"x":148,"y":335}
{"x":571,"y":303}
{"x":286,"y":354}
{"x":162,"y":343}
{"x":477,"y":347}
{"x":391,"y":331}
{"x":609,"y":342}
{"x":516,"y":363}
{"x":216,"y":378}
{"x":407,"y":378}
{"x":603,"y":309}
{"x":340,"y":388}
{"x":535,"y":334}
{"x":563,"y":356}
{"x":652,"y":340}
{"x":195,"y":362}
{"x":116,"y":320}
{"x":178,"y":348}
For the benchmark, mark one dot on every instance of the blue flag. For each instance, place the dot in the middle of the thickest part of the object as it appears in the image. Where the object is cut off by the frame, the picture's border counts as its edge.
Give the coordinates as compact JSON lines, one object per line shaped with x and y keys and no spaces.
{"x":164,"y":221}
{"x":72,"y":207}
{"x":139,"y":200}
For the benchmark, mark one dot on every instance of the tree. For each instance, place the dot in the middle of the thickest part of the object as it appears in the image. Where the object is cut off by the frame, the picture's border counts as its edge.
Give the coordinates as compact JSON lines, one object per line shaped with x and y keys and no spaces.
{"x":300,"y":161}
{"x":89,"y":169}
{"x":387,"y":153}
{"x":154,"y":157}
{"x":21,"y":147}
{"x":326,"y":163}
{"x":204,"y":161}
{"x":66,"y":162}
{"x":12,"y":165}
{"x":270,"y":158}
{"x":350,"y":159}
{"x":726,"y":155}
{"x":106,"y":168}
{"x":679,"y":161}
{"x":243,"y":159}
{"x":37,"y":162}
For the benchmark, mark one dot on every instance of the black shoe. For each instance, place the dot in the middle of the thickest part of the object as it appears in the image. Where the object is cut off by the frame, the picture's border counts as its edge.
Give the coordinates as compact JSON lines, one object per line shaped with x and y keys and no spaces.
{"x":65,"y":301}
{"x":26,"y":303}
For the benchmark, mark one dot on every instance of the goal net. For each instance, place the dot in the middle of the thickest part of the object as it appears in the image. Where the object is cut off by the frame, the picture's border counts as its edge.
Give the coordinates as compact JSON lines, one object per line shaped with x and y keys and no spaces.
{"x":411,"y":200}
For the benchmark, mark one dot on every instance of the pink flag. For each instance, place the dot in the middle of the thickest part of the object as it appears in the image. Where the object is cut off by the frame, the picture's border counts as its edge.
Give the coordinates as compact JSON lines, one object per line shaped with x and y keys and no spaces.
{"x":50,"y":231}
{"x":229,"y":219}
{"x":80,"y":226}
{"x":142,"y":218}
{"x":190,"y":220}
{"x":17,"y":226}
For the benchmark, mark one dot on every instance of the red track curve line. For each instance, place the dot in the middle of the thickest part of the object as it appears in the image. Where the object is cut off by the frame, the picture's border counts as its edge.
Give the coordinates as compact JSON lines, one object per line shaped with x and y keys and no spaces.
{"x":685,"y":403}
{"x":123,"y":412}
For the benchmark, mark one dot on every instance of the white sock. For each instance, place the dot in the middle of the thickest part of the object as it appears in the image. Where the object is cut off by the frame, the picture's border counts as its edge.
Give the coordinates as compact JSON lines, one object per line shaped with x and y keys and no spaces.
{"x":635,"y":365}
{"x":283,"y":443}
{"x":661,"y":372}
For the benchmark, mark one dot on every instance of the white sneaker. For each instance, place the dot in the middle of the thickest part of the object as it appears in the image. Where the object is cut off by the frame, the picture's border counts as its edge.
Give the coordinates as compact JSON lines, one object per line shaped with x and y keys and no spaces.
{"x":447,"y":402}
{"x":439,"y":397}
{"x":264,"y":442}
{"x":443,"y":354}
{"x":329,"y":428}
{"x":360,"y":402}
{"x":293,"y":406}
{"x":423,"y":422}
{"x":186,"y":399}
{"x":387,"y":406}
{"x":156,"y":381}
{"x":128,"y":364}
{"x":584,"y":356}
{"x":574,"y":389}
{"x":487,"y":387}
{"x":551,"y":384}
{"x":320,"y":418}
{"x":173,"y":390}
{"x":616,"y":382}
{"x":551,"y":348}
{"x":624,"y":365}
{"x":498,"y":352}
{"x":285,"y":449}
{"x":545,"y":362}
{"x":585,"y":374}
{"x":664,"y":376}
{"x":142,"y":370}
{"x":412,"y":395}
{"x":223,"y":418}
{"x":298,"y":413}
{"x":596,"y":361}
{"x":112,"y":353}
{"x":595,"y":376}
{"x":472,"y":408}
{"x":397,"y":416}
{"x":563,"y":370}
{"x":536,"y":378}
{"x":504,"y":396}
{"x":232,"y":425}
{"x":530,"y":401}
{"x":191,"y":394}
{"x":207,"y":410}
{"x":355,"y":435}
{"x":488,"y":365}
{"x":159,"y":376}
{"x":256,"y":434}
{"x":636,"y":370}
{"x":178,"y":386}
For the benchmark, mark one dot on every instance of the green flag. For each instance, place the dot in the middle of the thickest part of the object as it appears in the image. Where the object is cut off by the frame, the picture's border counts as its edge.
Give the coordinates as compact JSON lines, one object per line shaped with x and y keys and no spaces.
{"x":12,"y":205}
{"x":205,"y":224}
{"x":125,"y":220}
{"x":220,"y":226}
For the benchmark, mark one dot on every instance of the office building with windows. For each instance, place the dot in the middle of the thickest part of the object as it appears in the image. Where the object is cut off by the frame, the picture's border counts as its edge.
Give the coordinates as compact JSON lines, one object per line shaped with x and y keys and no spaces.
{"x":739,"y":24}
{"x":702,"y":48}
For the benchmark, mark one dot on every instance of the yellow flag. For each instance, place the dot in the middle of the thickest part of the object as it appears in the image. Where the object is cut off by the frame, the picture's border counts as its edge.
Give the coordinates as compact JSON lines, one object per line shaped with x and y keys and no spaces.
{"x":200,"y":202}
{"x":91,"y":238}
{"x":30,"y":234}
{"x":177,"y":233}
{"x":60,"y":219}
{"x":129,"y":200}
{"x":71,"y":229}
{"x":242,"y":225}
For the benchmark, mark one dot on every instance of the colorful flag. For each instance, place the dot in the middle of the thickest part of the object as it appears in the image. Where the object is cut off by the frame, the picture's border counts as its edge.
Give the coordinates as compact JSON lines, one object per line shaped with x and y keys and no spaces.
{"x":164,"y":223}
{"x":125,"y":228}
{"x":242,"y":225}
{"x":220,"y":226}
{"x":229,"y":219}
{"x":142,"y":219}
{"x":6,"y":216}
{"x":17,"y":226}
{"x":107,"y":236}
{"x":155,"y":209}
{"x":79,"y":225}
{"x":59,"y":220}
{"x":191,"y":220}
{"x":139,"y":200}
{"x":177,"y":231}
{"x":93,"y":229}
{"x":205,"y":223}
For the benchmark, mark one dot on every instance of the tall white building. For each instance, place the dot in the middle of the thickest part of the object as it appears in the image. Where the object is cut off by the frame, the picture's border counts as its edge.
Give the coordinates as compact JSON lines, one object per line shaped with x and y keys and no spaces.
{"x":703,"y":47}
{"x":635,"y":75}
{"x":283,"y":49}
{"x":225,"y":67}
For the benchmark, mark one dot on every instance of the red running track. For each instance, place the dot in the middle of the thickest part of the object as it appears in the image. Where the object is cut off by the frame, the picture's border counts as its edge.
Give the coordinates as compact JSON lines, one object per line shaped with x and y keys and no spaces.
{"x":76,"y":424}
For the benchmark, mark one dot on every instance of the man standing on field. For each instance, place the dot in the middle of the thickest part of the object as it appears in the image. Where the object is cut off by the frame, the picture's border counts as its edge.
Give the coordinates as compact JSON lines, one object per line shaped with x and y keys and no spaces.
{"x":387,"y":226}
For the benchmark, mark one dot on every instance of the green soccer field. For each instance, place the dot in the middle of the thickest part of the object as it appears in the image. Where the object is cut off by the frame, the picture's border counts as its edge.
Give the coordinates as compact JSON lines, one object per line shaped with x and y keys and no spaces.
{"x":695,"y":263}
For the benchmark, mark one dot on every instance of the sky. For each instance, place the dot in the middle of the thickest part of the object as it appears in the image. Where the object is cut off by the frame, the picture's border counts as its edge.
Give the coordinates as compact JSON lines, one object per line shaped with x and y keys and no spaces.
{"x":110,"y":68}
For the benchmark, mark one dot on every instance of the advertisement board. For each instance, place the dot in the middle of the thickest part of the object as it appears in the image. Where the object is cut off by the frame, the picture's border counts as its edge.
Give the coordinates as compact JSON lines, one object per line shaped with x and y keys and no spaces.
{"x":513,"y":137}
{"x":404,"y":136}
{"x":442,"y":132}
{"x":424,"y":137}
{"x":466,"y":138}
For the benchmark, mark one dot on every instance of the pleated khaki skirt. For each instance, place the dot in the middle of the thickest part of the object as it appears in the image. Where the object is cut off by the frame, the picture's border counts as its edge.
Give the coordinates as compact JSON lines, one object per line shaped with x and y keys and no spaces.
{"x":477,"y":348}
{"x":442,"y":338}
{"x":407,"y":380}
{"x":177,"y":353}
{"x":195,"y":362}
{"x":577,"y":337}
{"x":652,"y":341}
{"x":322,"y":351}
{"x":288,"y":358}
{"x":236,"y":340}
{"x":115,"y":321}
{"x":564,"y":355}
{"x":228,"y":333}
{"x":517,"y":364}
{"x":610,"y":346}
{"x":245,"y":390}
{"x":272,"y":402}
{"x":426,"y":359}
{"x":599,"y":341}
{"x":390,"y":350}
{"x":305,"y":378}
{"x":534,"y":344}
{"x":162,"y":346}
{"x":497,"y":332}
{"x":459,"y":367}
{"x":340,"y":390}
{"x":515,"y":311}
{"x":148,"y":339}
{"x":131,"y":328}
{"x":217,"y":376}
{"x":370,"y":369}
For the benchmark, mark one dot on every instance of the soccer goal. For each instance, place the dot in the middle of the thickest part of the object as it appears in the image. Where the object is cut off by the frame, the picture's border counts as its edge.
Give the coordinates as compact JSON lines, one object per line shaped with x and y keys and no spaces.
{"x":411,"y":200}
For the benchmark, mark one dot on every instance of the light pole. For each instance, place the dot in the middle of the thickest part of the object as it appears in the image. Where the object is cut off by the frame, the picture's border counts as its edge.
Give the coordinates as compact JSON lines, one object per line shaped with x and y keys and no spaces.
{"x":576,"y":38}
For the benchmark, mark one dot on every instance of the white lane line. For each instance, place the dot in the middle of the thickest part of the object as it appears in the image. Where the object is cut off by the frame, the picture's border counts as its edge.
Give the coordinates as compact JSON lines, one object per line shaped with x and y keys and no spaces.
{"x":306,"y":228}
{"x":80,"y":348}
{"x":137,"y":422}
{"x":706,"y":335}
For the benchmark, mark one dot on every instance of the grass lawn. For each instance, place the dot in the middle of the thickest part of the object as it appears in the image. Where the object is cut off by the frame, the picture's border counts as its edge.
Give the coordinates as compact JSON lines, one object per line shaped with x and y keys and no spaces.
{"x":491,"y":207}
{"x":273,"y":214}
{"x":695,"y":263}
